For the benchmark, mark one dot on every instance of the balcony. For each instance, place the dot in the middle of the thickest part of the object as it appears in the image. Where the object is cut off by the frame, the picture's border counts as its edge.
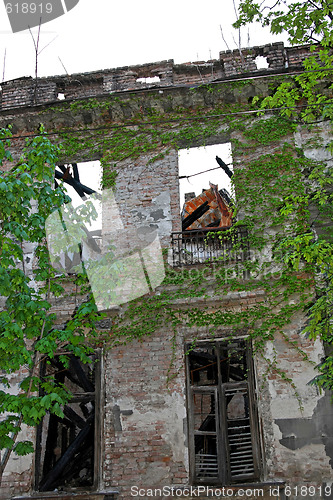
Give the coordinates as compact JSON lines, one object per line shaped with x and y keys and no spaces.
{"x":201,"y":246}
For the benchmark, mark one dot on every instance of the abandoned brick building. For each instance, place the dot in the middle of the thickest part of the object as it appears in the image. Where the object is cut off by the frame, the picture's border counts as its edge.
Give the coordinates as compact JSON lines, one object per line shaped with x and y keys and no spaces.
{"x":215,"y":416}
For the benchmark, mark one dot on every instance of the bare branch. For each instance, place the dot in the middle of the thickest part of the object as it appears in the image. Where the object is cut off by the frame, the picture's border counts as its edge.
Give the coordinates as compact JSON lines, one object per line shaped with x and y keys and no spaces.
{"x":315,"y":5}
{"x":224,"y":38}
{"x":36,"y":45}
{"x":4,"y":65}
{"x":236,"y":14}
{"x":270,"y":8}
{"x":234,"y":40}
{"x":199,"y":73}
{"x":240,"y":50}
{"x":239,"y":30}
{"x":311,"y":37}
{"x":239,"y":45}
{"x":63,"y":65}
{"x":33,"y":38}
{"x":38,"y":35}
{"x":48,"y":44}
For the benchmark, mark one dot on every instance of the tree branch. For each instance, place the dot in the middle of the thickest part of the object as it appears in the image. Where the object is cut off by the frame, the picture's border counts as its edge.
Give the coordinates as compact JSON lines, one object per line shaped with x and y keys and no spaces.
{"x":36,"y":45}
{"x":4,"y":65}
{"x":224,"y":38}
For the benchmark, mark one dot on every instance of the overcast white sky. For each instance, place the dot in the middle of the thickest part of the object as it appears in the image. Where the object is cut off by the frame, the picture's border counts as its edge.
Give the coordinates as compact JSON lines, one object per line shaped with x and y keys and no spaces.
{"x":101,"y":34}
{"x":195,"y":160}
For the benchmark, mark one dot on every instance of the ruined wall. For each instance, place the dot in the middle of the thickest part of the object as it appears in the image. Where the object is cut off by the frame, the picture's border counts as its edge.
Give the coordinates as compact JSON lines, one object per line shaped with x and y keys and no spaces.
{"x":146,"y":435}
{"x":144,"y":431}
{"x":146,"y":425}
{"x":147,"y":194}
{"x":25,"y":91}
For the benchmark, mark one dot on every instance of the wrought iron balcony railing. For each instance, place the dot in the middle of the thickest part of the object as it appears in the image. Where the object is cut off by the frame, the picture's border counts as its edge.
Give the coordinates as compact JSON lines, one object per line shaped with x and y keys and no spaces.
{"x":208,"y":245}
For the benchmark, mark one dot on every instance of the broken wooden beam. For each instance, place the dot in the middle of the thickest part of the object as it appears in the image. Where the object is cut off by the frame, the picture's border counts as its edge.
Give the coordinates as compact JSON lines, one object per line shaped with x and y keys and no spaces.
{"x":74,"y":417}
{"x":224,"y":166}
{"x":73,"y":448}
{"x":198,"y":212}
{"x":80,"y":188}
{"x":84,"y":381}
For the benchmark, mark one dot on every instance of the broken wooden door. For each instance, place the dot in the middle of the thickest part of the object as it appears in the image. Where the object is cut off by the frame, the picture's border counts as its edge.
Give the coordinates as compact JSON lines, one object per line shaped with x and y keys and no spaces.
{"x":65,"y":451}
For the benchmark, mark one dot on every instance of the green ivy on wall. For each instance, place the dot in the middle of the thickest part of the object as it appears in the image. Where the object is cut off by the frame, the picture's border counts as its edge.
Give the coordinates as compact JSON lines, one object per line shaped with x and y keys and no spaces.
{"x":273,"y":193}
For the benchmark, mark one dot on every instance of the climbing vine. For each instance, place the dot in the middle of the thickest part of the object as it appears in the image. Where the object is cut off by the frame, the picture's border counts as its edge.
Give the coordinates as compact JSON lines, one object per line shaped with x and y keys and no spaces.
{"x":273,"y":197}
{"x":273,"y":193}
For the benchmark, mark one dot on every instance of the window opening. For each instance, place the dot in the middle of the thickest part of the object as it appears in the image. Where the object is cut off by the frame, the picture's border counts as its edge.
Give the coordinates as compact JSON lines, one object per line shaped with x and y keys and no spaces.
{"x":223,"y":423}
{"x":82,"y":183}
{"x":206,"y":204}
{"x":66,"y":447}
{"x":149,"y":79}
{"x":261,"y":62}
{"x":198,"y":167}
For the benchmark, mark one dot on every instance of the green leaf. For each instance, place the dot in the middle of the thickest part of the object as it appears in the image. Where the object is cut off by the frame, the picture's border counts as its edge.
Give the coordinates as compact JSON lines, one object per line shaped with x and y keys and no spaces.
{"x":23,"y":448}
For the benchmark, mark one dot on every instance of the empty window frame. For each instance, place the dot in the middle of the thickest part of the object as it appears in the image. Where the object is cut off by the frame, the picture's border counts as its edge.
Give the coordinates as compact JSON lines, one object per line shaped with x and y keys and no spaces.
{"x":206,"y":205}
{"x":82,"y":183}
{"x":67,"y":449}
{"x":199,"y":166}
{"x":222,"y":417}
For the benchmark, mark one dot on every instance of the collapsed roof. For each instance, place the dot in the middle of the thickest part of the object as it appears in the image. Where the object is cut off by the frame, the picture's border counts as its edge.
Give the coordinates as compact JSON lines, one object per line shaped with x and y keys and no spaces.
{"x":210,"y":209}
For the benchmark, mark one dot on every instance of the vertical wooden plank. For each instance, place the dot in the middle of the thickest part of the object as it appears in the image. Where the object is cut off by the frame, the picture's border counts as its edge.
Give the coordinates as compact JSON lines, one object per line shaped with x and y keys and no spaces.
{"x":190,"y":422}
{"x":254,"y":421}
{"x":223,"y":455}
{"x":99,"y":418}
{"x":225,"y":451}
